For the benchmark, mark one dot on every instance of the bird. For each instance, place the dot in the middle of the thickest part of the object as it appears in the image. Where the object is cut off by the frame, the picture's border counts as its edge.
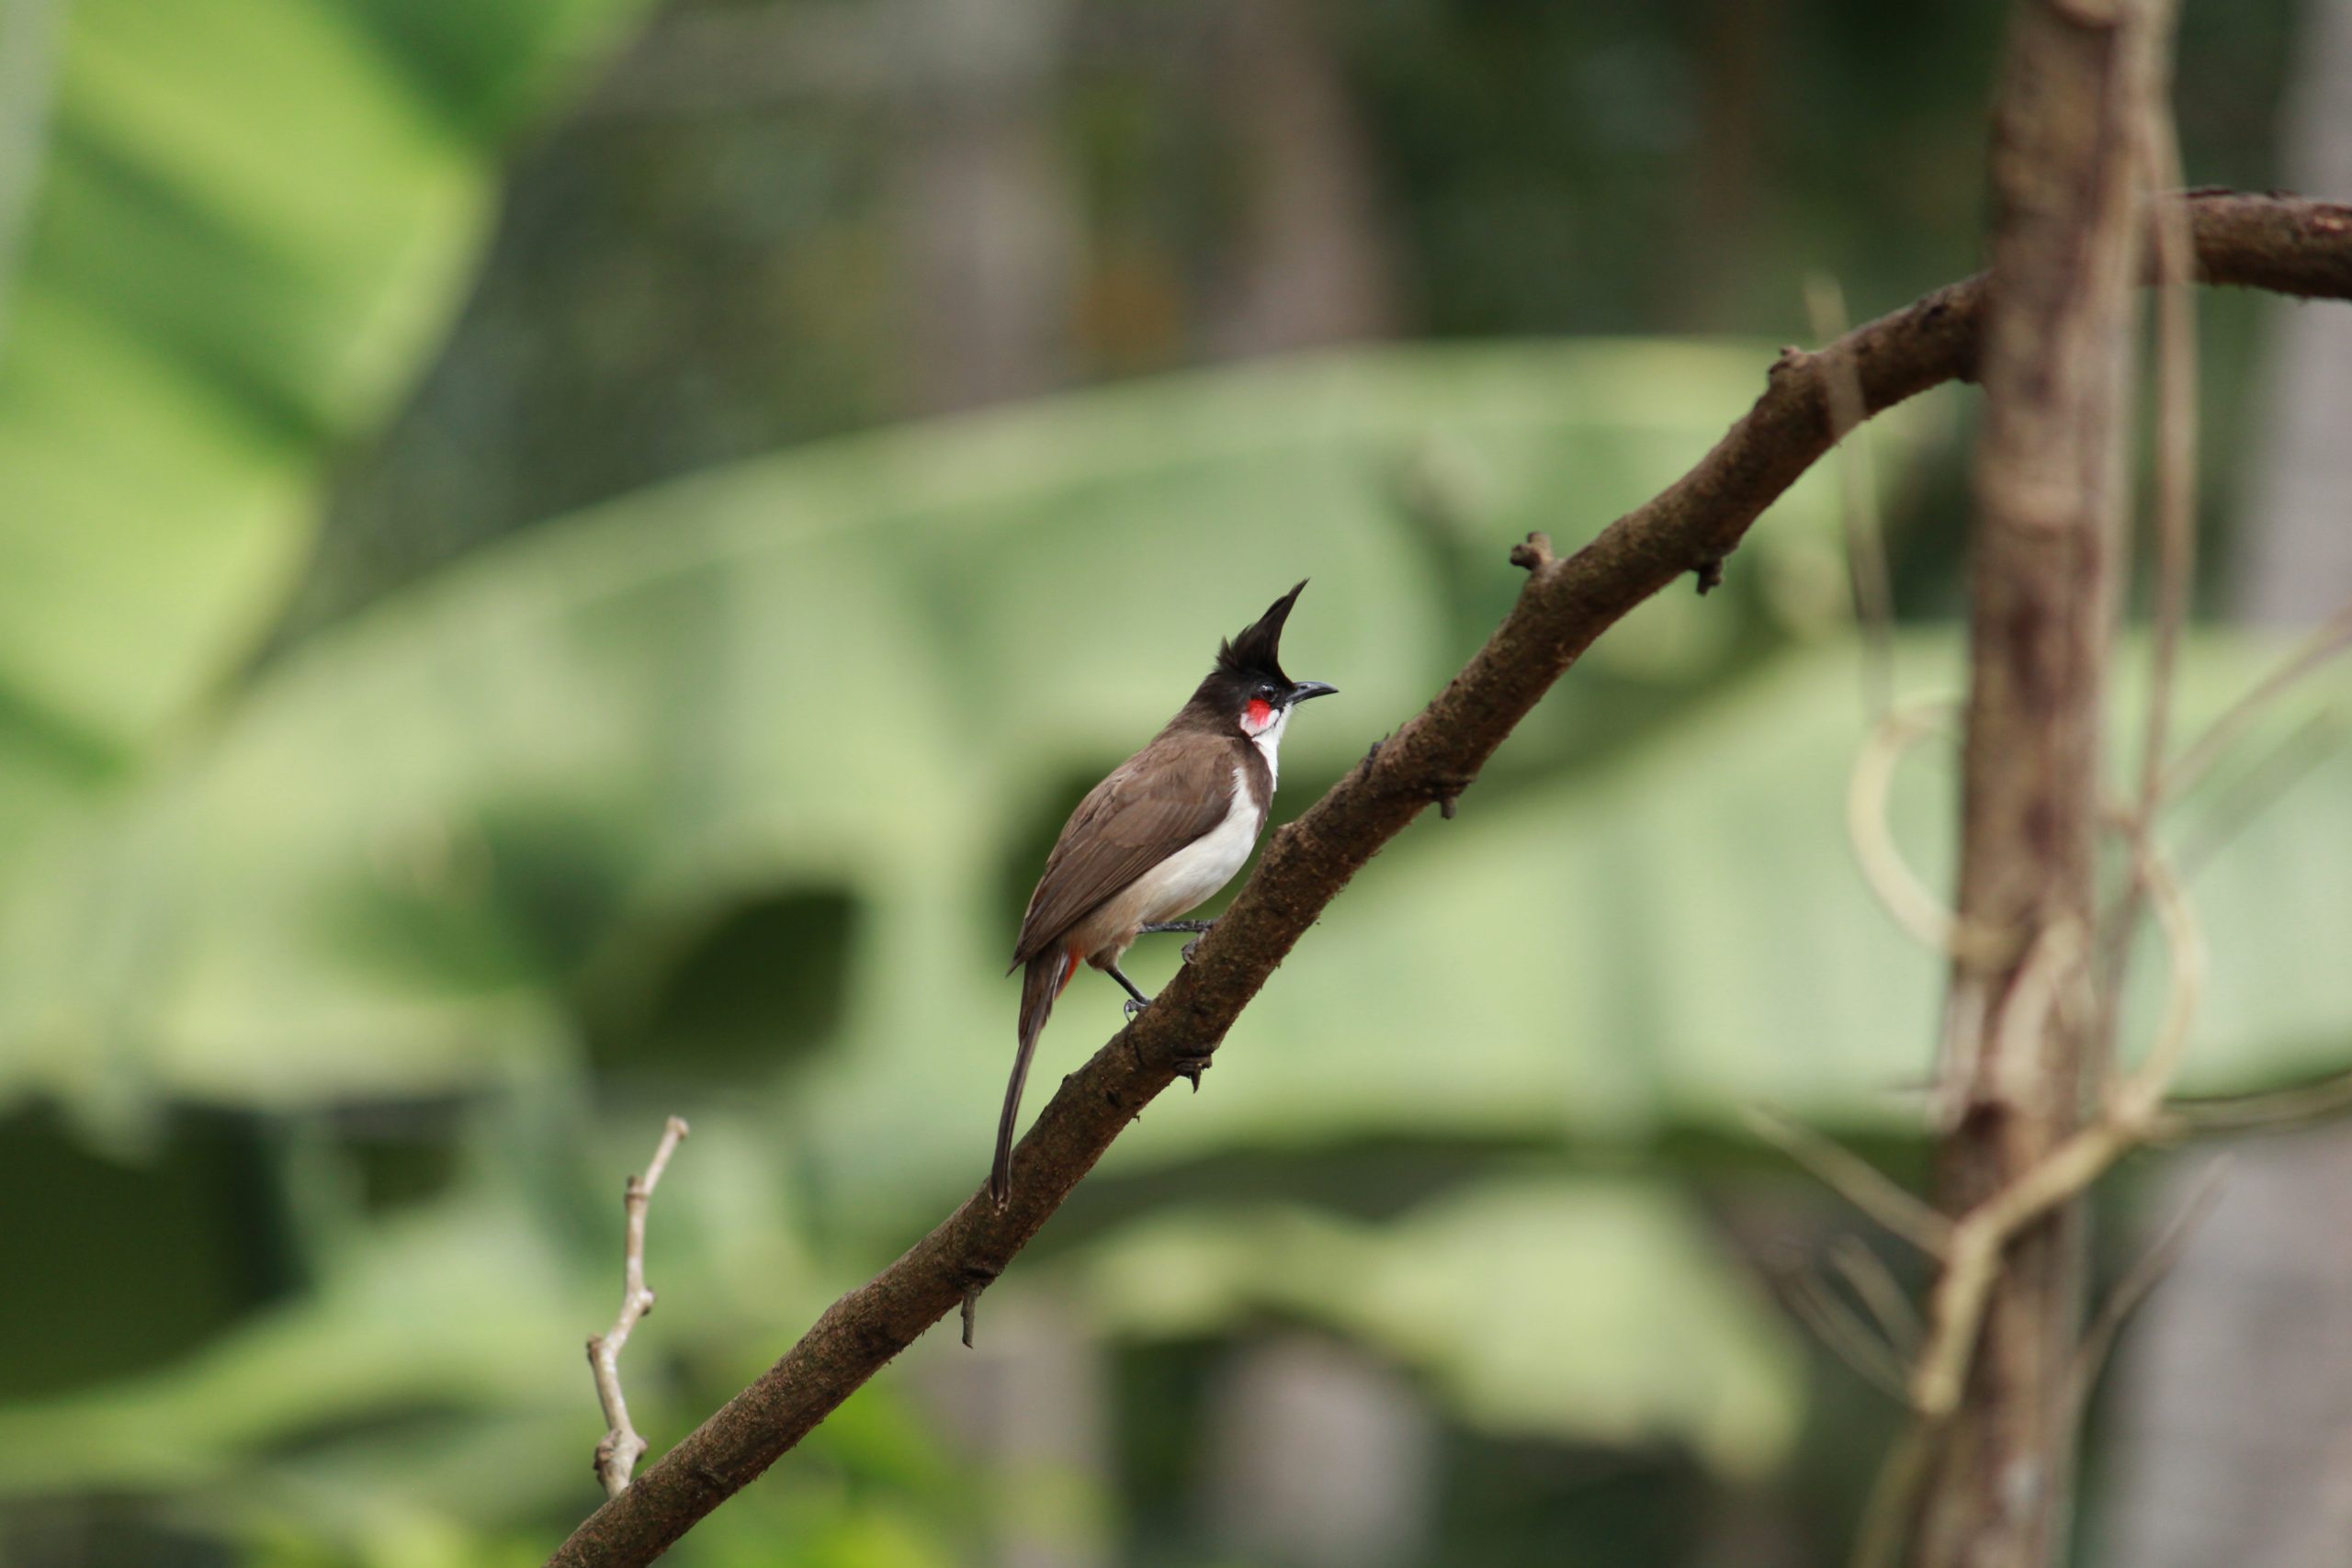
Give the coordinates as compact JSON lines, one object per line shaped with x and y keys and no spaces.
{"x":1165,"y":829}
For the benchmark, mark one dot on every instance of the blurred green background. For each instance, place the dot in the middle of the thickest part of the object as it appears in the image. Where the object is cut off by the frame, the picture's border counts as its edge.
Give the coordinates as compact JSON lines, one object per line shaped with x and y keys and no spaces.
{"x":562,"y":561}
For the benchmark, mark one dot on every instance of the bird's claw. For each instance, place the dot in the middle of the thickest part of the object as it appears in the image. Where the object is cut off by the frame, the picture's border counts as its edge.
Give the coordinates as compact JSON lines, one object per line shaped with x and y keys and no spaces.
{"x":1133,"y":1006}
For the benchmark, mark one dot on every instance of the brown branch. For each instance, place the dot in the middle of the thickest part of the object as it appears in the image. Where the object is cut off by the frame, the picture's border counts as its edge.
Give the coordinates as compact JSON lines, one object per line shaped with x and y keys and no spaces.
{"x":618,"y":1454}
{"x":2292,"y":247}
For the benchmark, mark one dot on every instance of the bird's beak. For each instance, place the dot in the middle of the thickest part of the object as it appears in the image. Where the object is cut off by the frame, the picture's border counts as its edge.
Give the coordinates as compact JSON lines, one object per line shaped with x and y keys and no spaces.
{"x":1306,"y":688}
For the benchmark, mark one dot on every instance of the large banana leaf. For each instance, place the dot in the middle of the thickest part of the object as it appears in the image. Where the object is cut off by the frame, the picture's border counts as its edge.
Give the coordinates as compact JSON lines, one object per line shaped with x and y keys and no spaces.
{"x":443,"y":1349}
{"x":426,"y":1396}
{"x":253,"y":220}
{"x":873,"y":670}
{"x":521,"y":802}
{"x":1662,"y":944}
{"x":1591,"y":1311}
{"x":524,"y":800}
{"x":527,"y":804}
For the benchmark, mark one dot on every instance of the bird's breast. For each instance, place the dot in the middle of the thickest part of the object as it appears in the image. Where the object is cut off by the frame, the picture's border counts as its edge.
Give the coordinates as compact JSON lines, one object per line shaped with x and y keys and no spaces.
{"x":1185,"y":879}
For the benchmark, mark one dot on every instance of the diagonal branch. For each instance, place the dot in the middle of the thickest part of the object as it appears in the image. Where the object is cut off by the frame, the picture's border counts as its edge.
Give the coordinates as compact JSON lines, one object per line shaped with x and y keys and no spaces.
{"x":2282,"y":243}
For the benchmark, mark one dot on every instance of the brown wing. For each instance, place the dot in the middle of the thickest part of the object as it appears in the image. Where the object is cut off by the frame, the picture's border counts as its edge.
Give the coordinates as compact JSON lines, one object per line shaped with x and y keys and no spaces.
{"x":1166,"y":796}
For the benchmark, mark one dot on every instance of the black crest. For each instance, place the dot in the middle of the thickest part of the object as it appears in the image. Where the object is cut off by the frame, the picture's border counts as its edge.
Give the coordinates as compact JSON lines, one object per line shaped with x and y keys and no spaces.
{"x":1258,"y":651}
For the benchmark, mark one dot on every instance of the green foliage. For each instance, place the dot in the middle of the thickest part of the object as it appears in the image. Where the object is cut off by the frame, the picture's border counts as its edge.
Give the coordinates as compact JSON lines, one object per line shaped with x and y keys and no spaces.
{"x":248,"y":230}
{"x":332,"y":1000}
{"x":424,"y":1393}
{"x":644,"y":790}
{"x":1492,"y":1294}
{"x":728,"y":794}
{"x":843,"y":692}
{"x":865,"y":669}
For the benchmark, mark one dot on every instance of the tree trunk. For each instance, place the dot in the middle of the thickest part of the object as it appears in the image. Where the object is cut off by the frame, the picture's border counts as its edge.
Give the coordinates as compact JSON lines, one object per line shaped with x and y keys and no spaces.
{"x":1311,"y":261}
{"x":990,"y":233}
{"x":1316,"y":1457}
{"x":2067,"y":249}
{"x":2294,"y":560}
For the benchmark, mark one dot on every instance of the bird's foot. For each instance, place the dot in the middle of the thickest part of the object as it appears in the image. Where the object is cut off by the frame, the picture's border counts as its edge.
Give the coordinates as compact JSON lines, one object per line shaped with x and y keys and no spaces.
{"x":1133,"y":1006}
{"x":1190,"y":948}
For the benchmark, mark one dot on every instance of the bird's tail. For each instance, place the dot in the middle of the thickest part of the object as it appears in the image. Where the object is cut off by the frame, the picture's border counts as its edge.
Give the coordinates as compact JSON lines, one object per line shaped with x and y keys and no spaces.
{"x":1041,"y":982}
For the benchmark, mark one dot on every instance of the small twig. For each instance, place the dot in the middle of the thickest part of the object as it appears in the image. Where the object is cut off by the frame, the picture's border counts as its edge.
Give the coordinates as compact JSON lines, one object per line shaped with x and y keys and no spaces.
{"x":2052,"y":968}
{"x":1847,"y":1337}
{"x":978,"y":1276}
{"x":1854,"y":1178}
{"x":1972,"y":1261}
{"x":2174,"y":258}
{"x":1446,"y":788}
{"x":2138,"y":1099}
{"x":1894,"y":1495}
{"x":617,"y":1453}
{"x":2277,"y":771}
{"x":2175,"y":261}
{"x":2331,"y":638}
{"x":1923,"y":917}
{"x":1865,"y":532}
{"x":2133,"y":1114}
{"x":1873,"y":1284}
{"x":2098,"y":1340}
{"x":2277,"y":1110}
{"x":1534,"y":555}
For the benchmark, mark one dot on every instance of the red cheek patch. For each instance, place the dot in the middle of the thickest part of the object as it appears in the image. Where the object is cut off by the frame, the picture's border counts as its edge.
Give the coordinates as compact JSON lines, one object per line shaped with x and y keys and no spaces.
{"x":1262,"y":712}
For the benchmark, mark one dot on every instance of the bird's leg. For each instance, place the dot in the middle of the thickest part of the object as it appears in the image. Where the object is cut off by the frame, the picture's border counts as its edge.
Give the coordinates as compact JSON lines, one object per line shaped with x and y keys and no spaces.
{"x":1139,"y":1001}
{"x":1189,"y":1067}
{"x":1194,"y":926}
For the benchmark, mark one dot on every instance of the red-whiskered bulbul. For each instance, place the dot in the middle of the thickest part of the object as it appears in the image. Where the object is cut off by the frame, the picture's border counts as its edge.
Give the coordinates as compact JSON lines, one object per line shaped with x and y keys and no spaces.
{"x":1168,"y":829}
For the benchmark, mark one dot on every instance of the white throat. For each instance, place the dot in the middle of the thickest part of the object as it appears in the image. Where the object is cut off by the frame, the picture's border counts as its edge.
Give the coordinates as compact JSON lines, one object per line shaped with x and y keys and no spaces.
{"x":1269,"y":743}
